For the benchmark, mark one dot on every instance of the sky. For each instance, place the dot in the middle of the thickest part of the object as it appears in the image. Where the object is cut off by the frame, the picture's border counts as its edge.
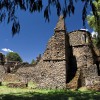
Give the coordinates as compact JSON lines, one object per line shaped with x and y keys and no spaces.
{"x":35,"y":32}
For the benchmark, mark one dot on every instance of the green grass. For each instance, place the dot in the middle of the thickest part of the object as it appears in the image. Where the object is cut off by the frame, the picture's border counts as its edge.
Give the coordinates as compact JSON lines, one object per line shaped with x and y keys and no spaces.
{"x":33,"y":94}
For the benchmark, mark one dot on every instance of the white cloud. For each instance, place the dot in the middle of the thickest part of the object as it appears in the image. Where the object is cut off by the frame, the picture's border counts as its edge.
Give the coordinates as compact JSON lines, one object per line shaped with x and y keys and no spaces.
{"x":6,"y":50}
{"x":84,"y":29}
{"x":94,"y":33}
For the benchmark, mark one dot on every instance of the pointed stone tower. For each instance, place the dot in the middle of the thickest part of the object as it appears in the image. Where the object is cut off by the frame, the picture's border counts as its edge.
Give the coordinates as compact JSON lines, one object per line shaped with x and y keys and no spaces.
{"x":53,"y":64}
{"x":61,"y":24}
{"x":56,"y":45}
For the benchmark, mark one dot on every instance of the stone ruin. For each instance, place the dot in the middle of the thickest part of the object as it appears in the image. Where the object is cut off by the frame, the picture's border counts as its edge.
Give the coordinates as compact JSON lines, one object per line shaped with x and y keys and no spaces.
{"x":69,"y":61}
{"x":2,"y":68}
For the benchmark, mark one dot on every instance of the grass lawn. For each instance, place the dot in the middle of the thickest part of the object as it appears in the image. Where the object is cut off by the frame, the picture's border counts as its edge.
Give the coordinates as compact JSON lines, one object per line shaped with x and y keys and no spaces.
{"x":34,"y":94}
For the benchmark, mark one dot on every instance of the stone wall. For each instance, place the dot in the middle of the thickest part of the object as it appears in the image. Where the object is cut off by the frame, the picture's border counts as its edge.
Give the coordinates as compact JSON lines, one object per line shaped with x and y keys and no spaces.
{"x":56,"y":47}
{"x":28,"y":72}
{"x":8,"y":77}
{"x":88,"y":72}
{"x":83,"y":54}
{"x":2,"y":71}
{"x":53,"y":65}
{"x":74,"y":83}
{"x":51,"y":71}
{"x":79,"y":37}
{"x":46,"y":74}
{"x":51,"y":74}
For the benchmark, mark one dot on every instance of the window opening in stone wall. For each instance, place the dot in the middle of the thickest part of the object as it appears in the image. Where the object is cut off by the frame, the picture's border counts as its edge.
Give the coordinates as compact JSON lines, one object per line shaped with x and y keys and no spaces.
{"x":8,"y":69}
{"x":84,"y":38}
{"x":87,"y":40}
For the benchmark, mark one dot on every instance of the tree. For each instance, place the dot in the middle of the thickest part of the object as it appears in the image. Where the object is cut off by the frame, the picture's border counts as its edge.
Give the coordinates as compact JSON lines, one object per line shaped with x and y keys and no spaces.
{"x":33,"y":61}
{"x":8,"y":9}
{"x":12,"y":56}
{"x":95,"y":23}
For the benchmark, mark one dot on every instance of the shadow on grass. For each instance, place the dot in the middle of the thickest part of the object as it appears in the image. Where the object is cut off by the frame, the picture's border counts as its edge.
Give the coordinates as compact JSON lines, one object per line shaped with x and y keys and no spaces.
{"x":57,"y":95}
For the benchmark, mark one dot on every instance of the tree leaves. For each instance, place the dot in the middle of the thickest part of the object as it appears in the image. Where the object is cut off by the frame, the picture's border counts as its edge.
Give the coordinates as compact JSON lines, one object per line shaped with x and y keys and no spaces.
{"x":15,"y":27}
{"x":58,"y":6}
{"x":35,"y":5}
{"x":94,"y":18}
{"x":12,"y":56}
{"x":8,"y":9}
{"x":46,"y":13}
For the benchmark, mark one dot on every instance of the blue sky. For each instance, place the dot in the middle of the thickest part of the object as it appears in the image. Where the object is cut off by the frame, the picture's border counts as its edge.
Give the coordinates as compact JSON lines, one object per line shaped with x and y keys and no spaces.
{"x":35,"y":32}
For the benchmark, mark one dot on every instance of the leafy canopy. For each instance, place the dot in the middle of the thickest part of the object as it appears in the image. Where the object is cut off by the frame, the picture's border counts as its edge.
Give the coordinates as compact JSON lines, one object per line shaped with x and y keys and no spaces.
{"x":33,"y":61}
{"x":95,"y":24}
{"x":66,"y":7}
{"x":12,"y":56}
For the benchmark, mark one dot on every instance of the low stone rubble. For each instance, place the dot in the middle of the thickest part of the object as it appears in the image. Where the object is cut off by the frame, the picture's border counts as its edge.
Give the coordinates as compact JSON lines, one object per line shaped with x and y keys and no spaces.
{"x":18,"y":85}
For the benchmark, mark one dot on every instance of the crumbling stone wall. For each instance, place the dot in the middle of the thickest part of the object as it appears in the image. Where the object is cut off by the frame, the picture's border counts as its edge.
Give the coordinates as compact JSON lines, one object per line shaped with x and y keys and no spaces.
{"x":7,"y":77}
{"x":46,"y":74}
{"x":51,"y":70}
{"x":56,"y":47}
{"x":54,"y":63}
{"x":52,"y":74}
{"x":83,"y":53}
{"x":84,"y":56}
{"x":2,"y":68}
{"x":79,"y":37}
{"x":74,"y":83}
{"x":2,"y":71}
{"x":28,"y":72}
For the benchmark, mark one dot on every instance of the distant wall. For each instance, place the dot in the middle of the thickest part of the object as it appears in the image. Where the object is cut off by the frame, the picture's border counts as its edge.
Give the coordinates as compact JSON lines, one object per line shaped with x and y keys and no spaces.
{"x":2,"y":71}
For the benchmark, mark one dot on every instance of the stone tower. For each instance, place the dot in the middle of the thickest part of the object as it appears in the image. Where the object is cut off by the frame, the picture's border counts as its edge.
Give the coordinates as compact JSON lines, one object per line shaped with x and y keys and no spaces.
{"x":81,"y":46}
{"x":53,"y":64}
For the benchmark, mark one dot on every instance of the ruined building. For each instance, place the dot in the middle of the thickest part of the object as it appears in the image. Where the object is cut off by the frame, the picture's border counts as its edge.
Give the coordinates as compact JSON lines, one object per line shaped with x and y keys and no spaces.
{"x":2,"y":61}
{"x":69,"y":61}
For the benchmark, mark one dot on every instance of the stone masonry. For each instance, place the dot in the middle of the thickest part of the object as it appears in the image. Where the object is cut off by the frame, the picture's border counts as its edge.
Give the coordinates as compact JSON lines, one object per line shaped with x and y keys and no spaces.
{"x":52,"y":66}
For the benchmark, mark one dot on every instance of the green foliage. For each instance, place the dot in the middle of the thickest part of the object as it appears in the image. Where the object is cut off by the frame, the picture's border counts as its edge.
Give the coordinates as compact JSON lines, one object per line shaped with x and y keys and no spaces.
{"x":33,"y":61}
{"x":12,"y":56}
{"x":92,"y":20}
{"x":8,"y":9}
{"x":96,"y":41}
